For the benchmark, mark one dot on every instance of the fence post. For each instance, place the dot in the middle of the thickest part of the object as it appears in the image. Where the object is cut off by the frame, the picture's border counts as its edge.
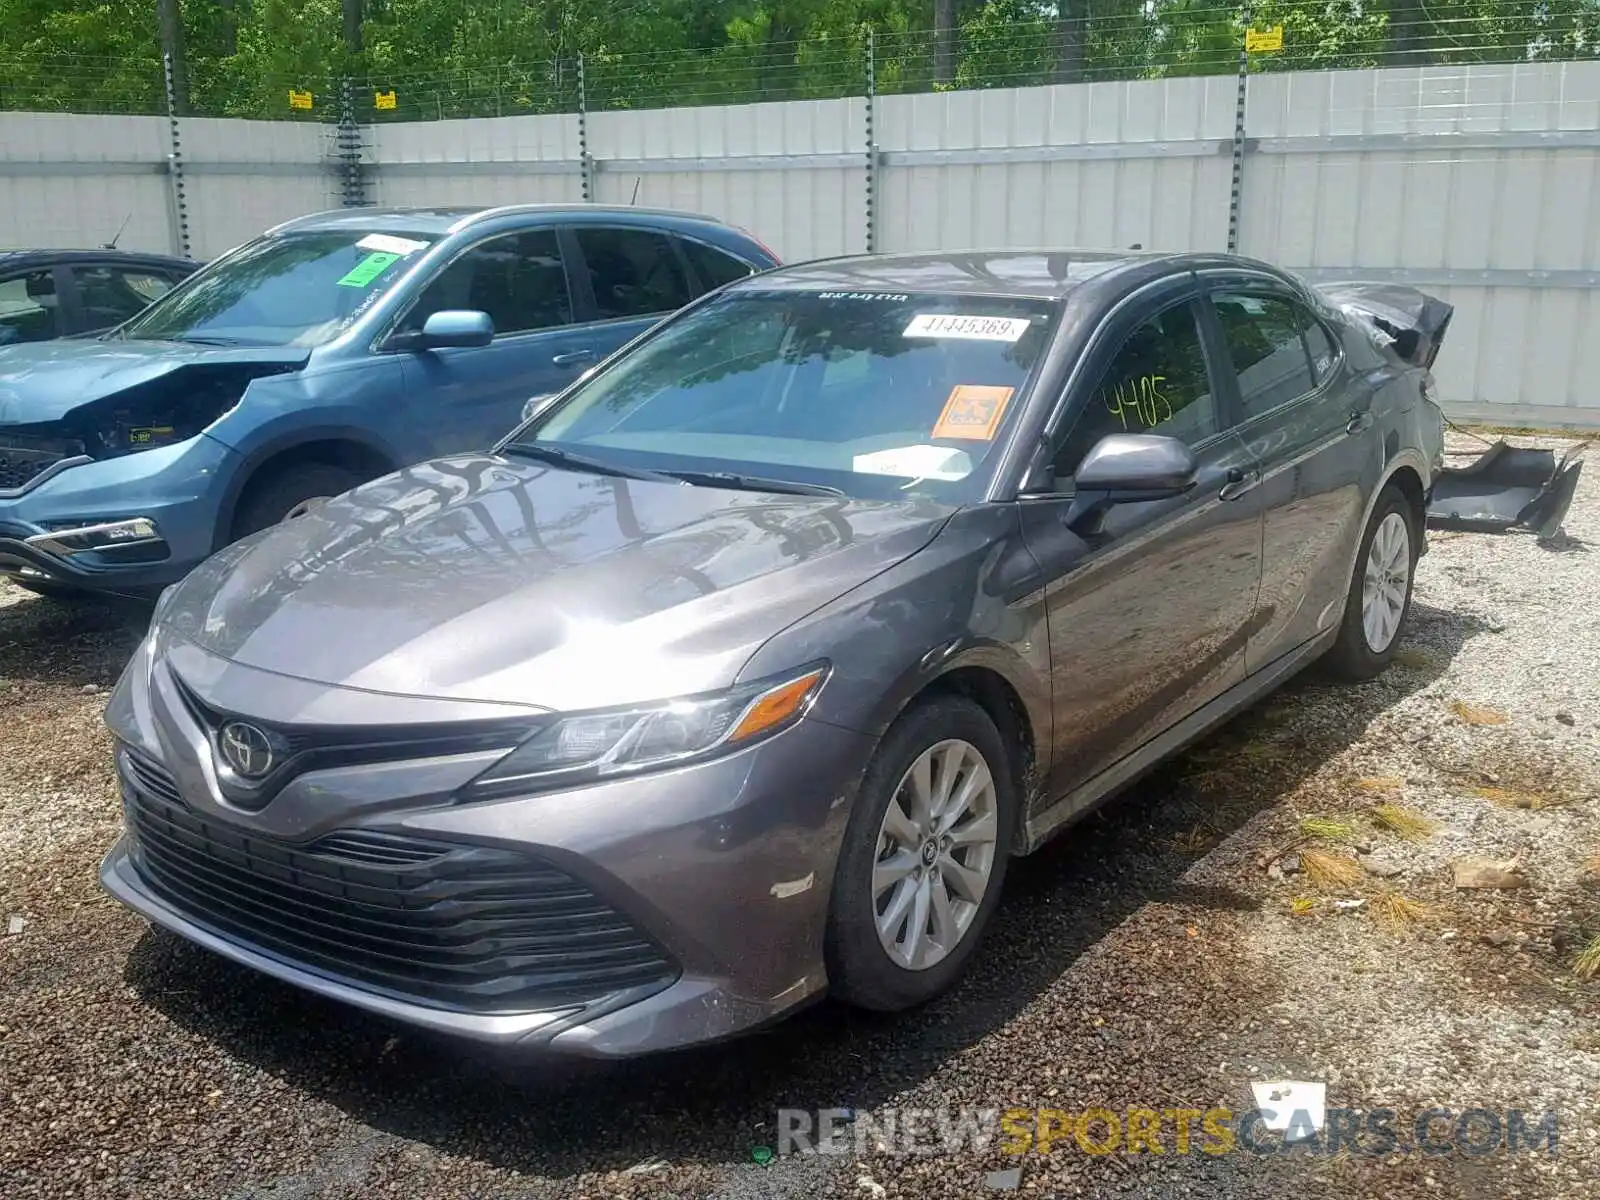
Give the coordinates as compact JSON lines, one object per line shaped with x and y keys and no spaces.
{"x":872,"y":146}
{"x":348,"y":141}
{"x":1238,"y":137}
{"x":177,"y":207}
{"x":585,"y":163}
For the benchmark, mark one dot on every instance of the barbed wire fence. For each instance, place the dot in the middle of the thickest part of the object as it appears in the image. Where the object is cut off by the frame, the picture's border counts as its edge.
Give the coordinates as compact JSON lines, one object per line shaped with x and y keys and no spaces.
{"x":1149,"y":42}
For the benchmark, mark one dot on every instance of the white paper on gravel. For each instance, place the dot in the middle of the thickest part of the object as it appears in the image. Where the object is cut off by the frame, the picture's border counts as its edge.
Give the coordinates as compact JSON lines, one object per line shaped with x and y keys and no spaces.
{"x":1292,"y":1103}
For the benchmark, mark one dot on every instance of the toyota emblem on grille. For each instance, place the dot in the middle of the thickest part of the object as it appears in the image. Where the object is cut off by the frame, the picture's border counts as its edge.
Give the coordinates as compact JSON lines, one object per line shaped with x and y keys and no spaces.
{"x":247,"y":749}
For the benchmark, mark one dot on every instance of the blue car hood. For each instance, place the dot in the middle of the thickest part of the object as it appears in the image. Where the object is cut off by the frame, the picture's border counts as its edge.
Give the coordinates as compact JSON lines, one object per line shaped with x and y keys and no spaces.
{"x":44,"y":381}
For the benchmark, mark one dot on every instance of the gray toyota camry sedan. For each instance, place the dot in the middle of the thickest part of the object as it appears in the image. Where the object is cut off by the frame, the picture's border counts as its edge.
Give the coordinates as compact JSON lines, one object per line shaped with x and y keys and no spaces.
{"x":739,"y":671}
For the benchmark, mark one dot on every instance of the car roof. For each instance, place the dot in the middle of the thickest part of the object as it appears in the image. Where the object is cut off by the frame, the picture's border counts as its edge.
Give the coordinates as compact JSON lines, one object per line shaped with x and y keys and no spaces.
{"x":23,"y":259}
{"x":451,"y":218}
{"x":1037,"y":274}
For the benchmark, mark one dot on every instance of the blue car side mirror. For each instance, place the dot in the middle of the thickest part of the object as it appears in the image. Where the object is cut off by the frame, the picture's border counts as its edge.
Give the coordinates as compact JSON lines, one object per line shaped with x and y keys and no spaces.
{"x":455,"y":327}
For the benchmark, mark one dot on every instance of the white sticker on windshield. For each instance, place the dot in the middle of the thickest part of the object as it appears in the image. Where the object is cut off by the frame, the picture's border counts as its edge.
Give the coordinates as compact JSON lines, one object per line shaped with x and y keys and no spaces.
{"x":391,"y":245}
{"x":915,"y":462}
{"x":953,"y":325}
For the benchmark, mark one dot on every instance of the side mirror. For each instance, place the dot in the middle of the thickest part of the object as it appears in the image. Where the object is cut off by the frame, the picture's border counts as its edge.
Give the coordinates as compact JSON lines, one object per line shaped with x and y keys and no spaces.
{"x":1129,"y":467}
{"x":454,"y":327}
{"x":1126,"y":468}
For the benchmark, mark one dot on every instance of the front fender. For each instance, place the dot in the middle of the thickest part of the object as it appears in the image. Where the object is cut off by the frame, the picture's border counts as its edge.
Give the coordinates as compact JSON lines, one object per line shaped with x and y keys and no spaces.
{"x":934,"y":613}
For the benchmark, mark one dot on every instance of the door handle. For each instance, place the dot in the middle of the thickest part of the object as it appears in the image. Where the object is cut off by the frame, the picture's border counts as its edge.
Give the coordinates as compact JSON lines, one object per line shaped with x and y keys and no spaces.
{"x":1359,"y":422}
{"x":1239,"y":482}
{"x":573,"y":357}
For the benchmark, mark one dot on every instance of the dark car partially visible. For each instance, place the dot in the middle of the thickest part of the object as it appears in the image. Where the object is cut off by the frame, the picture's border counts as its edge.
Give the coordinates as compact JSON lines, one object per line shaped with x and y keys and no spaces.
{"x":46,"y":294}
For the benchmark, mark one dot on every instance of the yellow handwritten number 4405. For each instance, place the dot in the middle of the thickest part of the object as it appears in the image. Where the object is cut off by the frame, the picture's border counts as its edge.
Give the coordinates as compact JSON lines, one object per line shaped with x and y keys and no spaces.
{"x":1142,"y":399}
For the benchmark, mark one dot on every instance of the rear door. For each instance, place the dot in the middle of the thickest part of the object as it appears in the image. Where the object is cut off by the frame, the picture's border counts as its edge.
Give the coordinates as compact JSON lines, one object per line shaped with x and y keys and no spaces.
{"x":629,"y":278}
{"x":1307,"y":437}
{"x":1148,"y":614}
{"x":472,"y":396}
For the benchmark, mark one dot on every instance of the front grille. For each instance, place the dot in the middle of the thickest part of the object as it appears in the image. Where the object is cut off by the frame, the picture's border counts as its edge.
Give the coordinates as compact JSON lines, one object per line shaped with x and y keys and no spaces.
{"x":18,"y":467}
{"x":302,"y":748}
{"x":469,"y":927}
{"x":24,"y":457}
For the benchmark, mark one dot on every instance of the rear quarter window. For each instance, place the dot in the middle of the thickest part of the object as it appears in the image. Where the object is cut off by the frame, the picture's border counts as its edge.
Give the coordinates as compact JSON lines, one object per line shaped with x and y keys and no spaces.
{"x":715,"y":267}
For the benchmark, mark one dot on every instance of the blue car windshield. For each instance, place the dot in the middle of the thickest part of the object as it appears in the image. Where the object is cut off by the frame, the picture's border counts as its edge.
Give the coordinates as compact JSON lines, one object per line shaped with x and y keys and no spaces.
{"x":297,"y":289}
{"x":870,"y":393}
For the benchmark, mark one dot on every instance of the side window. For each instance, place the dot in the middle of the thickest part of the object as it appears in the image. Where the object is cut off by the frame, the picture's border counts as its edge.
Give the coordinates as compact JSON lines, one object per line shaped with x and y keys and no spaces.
{"x":634,"y":272}
{"x":28,"y":310}
{"x":714,"y":267}
{"x":1267,"y":338}
{"x":1157,"y":383}
{"x":1324,"y":353}
{"x":109,"y":295}
{"x":518,"y":279}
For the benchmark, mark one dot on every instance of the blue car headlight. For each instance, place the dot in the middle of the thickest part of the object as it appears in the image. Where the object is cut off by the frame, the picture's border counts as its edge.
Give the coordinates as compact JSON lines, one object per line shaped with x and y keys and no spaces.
{"x":577,"y":747}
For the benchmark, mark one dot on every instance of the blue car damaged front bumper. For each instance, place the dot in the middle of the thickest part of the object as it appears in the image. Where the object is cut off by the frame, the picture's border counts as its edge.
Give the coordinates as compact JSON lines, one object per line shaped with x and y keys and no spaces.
{"x":128,"y":525}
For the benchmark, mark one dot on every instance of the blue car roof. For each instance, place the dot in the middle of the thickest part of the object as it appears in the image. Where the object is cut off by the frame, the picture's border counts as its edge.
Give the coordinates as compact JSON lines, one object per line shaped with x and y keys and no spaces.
{"x":440,"y":221}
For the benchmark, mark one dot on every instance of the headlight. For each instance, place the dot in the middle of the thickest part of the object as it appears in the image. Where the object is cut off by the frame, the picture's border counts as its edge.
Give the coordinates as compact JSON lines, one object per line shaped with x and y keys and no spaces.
{"x":597,"y":745}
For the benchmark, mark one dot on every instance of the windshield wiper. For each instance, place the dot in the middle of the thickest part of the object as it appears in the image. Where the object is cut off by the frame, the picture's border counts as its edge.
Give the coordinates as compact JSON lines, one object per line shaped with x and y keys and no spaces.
{"x":600,"y":466}
{"x":756,"y":483}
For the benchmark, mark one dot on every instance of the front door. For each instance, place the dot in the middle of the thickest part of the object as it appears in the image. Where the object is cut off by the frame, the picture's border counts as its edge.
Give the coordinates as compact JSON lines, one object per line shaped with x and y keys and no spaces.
{"x":1149,"y":613}
{"x":107,"y":294}
{"x":467,"y":398}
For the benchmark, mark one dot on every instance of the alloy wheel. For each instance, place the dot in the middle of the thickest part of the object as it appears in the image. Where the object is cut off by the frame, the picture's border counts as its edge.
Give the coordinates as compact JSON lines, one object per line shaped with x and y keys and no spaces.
{"x":936,"y":854}
{"x":1388,"y":575}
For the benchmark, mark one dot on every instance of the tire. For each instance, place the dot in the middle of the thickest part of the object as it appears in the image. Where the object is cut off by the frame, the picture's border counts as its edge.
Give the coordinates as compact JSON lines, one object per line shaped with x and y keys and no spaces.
{"x":276,"y":497}
{"x":861,"y":970}
{"x":1356,"y":655}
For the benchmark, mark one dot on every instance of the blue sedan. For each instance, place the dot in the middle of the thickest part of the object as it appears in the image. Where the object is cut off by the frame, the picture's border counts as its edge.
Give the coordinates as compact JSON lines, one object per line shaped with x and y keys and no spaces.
{"x":329,"y":351}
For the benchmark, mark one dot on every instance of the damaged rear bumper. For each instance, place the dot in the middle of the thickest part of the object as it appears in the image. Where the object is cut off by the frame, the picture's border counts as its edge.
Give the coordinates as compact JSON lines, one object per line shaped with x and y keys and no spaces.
{"x":1509,"y":487}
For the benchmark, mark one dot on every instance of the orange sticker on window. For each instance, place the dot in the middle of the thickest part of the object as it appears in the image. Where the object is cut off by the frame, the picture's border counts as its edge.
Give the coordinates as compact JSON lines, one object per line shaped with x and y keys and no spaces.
{"x":972,"y":412}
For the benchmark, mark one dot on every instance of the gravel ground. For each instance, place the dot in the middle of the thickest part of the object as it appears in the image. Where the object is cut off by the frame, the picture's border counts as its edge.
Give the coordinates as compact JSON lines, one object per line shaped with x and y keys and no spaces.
{"x":1166,"y":955}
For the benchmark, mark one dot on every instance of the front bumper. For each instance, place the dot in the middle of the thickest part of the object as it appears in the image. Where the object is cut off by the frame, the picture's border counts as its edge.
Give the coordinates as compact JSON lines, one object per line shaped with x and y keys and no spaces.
{"x":180,"y":488}
{"x":725,"y":865}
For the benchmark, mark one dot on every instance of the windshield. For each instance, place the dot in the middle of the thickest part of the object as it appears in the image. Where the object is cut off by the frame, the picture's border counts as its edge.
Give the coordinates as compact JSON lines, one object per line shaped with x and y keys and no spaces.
{"x":298,"y":289}
{"x":870,"y":393}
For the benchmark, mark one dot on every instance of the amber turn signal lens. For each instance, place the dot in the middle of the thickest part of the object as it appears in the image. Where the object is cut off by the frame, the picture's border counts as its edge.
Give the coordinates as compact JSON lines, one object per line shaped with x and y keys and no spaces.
{"x":776,"y":707}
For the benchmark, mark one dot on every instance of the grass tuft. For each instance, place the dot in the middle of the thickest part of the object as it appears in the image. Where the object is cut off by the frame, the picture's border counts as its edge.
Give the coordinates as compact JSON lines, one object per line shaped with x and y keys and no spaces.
{"x":1301,"y":906}
{"x":1197,"y":841}
{"x":1327,"y":830}
{"x":1587,"y":964}
{"x":1329,"y":871}
{"x":1394,"y":910}
{"x":1401,"y":821}
{"x":1473,"y":714}
{"x":1521,"y":798}
{"x":1378,"y":783}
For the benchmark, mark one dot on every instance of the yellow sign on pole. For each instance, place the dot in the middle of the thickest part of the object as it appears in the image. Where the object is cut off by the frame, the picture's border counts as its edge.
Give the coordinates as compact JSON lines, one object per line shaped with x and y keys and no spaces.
{"x":299,"y":99}
{"x":1258,"y":41}
{"x":384,"y":99}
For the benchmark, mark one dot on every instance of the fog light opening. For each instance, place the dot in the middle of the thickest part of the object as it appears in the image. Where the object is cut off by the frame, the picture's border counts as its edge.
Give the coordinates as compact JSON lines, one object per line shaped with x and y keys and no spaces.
{"x":77,"y":539}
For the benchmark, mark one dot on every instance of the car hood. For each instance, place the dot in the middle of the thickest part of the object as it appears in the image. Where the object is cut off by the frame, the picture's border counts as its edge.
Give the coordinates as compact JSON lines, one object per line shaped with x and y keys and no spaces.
{"x":492,"y":579}
{"x":44,"y":381}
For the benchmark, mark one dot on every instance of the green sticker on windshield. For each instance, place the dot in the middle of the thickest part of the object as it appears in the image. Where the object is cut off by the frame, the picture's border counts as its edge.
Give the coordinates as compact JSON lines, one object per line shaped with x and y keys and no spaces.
{"x":368,"y":269}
